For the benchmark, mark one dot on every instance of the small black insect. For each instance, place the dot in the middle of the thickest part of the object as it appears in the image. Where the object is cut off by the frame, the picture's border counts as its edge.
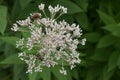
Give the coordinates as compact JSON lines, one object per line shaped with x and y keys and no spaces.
{"x":38,"y":56}
{"x":35,"y":16}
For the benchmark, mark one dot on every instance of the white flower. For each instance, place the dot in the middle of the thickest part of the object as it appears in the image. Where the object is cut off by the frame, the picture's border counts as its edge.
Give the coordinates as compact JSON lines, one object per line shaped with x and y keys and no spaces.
{"x":63,"y":71}
{"x":57,"y":9}
{"x":64,"y":9}
{"x":72,"y":66}
{"x":20,"y":43}
{"x":41,"y":6}
{"x":77,"y":31}
{"x":51,"y":9}
{"x":38,"y":68}
{"x":25,"y":22}
{"x":83,"y":41}
{"x":22,"y":54}
{"x":15,"y":27}
{"x":31,"y":63}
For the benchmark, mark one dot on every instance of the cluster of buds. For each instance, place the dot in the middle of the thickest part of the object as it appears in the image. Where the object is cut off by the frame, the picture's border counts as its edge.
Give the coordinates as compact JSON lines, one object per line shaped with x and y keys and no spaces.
{"x":48,"y":42}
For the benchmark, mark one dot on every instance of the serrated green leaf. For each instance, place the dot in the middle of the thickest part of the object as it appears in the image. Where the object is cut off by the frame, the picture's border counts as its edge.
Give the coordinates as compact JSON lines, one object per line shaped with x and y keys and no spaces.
{"x":13,"y":59}
{"x":106,"y":18}
{"x":3,"y":18}
{"x":112,"y":63}
{"x":106,"y":41}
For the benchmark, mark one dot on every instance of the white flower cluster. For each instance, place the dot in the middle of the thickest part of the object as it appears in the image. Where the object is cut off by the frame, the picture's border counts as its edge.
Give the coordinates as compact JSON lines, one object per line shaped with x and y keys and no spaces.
{"x":49,"y":42}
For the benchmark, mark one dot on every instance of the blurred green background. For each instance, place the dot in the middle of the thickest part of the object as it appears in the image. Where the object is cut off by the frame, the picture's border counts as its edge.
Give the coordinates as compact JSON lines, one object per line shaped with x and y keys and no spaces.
{"x":100,"y":21}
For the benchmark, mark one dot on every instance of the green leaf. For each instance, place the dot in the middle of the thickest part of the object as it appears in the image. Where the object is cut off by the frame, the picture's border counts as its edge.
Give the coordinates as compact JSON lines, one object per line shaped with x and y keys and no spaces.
{"x":13,"y":59}
{"x":18,"y":70}
{"x":44,"y":75}
{"x":24,"y":3}
{"x":106,"y":18}
{"x":106,"y":75}
{"x":34,"y":76}
{"x":106,"y":41}
{"x":9,"y":50}
{"x":82,"y":3}
{"x":16,"y":11}
{"x":72,"y":8}
{"x":10,"y":40}
{"x":118,"y":61}
{"x":82,"y":19}
{"x":3,"y":18}
{"x":112,"y":63}
{"x":94,"y":70}
{"x":69,"y":74}
{"x":101,"y":54}
{"x":75,"y":74}
{"x":114,"y":29}
{"x":92,"y":37}
{"x":67,"y":17}
{"x":57,"y":74}
{"x":60,"y":76}
{"x":30,"y":8}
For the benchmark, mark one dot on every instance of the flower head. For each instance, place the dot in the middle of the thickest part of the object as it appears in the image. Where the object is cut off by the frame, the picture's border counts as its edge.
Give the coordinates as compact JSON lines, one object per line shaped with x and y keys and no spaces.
{"x":15,"y":27}
{"x":49,"y":41}
{"x":41,"y":6}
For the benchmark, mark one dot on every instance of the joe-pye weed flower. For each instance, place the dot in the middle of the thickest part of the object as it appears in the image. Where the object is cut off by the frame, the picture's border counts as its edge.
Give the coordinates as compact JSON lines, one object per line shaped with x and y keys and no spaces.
{"x":49,"y":42}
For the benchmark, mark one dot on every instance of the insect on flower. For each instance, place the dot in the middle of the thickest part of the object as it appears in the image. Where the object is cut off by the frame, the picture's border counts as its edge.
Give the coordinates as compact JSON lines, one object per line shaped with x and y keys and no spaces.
{"x":35,"y":16}
{"x":39,"y":57}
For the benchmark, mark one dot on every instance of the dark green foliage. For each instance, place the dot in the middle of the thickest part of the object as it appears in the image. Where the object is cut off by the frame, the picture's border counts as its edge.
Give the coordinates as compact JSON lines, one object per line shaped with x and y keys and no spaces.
{"x":100,"y":22}
{"x":3,"y":21}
